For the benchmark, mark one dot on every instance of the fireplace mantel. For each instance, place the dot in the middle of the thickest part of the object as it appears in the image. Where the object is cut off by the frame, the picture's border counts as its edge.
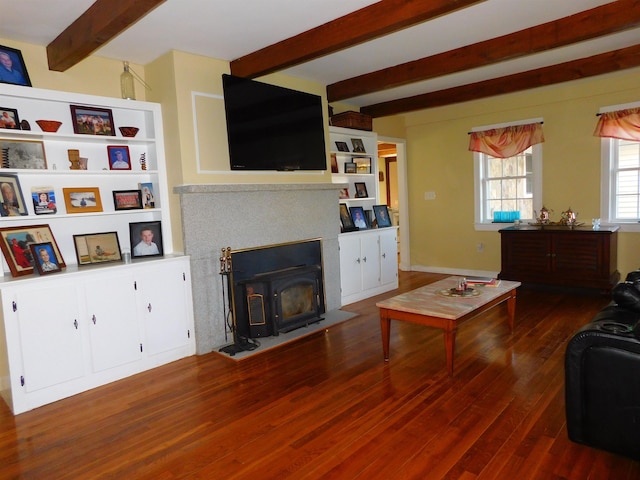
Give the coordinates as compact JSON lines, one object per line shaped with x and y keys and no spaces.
{"x":216,"y":216}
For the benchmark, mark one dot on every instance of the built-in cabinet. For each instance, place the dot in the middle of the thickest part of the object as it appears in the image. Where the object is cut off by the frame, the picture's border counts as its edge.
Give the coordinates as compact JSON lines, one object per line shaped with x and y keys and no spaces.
{"x":68,"y":333}
{"x":368,"y":263}
{"x":87,"y":325}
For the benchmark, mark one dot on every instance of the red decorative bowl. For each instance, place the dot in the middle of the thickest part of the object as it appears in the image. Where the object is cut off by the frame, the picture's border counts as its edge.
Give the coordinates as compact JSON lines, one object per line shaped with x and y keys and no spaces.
{"x":129,"y":131}
{"x":49,"y":125}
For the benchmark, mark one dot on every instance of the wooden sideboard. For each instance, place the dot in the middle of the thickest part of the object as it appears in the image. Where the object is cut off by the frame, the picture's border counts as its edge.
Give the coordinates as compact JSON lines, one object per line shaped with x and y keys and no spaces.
{"x":560,"y":255}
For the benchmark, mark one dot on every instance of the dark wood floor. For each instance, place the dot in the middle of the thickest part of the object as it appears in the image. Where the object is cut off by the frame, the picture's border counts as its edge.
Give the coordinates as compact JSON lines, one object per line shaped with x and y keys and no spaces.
{"x":328,"y":407}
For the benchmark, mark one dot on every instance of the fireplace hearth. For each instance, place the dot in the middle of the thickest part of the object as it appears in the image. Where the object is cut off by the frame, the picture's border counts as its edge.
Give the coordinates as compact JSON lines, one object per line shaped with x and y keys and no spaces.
{"x":276,"y":289}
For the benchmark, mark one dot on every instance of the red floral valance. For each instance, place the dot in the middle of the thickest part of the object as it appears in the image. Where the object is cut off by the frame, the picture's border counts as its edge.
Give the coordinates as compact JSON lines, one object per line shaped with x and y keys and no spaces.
{"x":623,"y":124}
{"x":508,"y":141}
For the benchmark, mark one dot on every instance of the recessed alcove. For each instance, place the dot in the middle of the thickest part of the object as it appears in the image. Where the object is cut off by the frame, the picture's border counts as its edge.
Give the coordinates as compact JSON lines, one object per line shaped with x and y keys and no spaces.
{"x":241,"y":216}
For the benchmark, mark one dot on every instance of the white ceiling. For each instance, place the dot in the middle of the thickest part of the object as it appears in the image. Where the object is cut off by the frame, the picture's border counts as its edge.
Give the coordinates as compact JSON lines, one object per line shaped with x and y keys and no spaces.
{"x":228,"y":29}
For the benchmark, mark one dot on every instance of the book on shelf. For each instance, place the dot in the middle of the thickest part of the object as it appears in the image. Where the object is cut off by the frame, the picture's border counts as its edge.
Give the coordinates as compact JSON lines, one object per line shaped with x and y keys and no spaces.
{"x":483,"y":281}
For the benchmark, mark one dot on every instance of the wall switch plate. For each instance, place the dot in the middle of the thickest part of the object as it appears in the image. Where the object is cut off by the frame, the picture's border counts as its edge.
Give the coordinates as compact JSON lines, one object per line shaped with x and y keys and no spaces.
{"x":429,"y":195}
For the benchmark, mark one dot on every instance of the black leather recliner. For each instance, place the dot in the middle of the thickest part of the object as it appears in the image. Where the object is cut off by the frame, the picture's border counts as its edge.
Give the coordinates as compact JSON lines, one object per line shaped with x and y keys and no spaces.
{"x":602,"y":375}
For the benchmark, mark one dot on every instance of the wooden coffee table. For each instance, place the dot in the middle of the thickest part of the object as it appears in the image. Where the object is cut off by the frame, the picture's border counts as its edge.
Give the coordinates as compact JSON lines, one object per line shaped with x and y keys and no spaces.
{"x":433,"y":306}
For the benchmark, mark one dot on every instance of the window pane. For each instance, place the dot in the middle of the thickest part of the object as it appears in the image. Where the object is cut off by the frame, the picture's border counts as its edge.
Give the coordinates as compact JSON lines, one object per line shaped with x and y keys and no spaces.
{"x":626,"y":175}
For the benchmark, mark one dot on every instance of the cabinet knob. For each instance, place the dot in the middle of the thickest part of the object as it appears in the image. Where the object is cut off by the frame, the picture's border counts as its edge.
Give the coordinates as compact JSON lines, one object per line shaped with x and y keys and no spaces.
{"x":358,"y":260}
{"x":384,"y":255}
{"x":364,"y":259}
{"x":93,"y":319}
{"x":149,"y":308}
{"x":75,"y":323}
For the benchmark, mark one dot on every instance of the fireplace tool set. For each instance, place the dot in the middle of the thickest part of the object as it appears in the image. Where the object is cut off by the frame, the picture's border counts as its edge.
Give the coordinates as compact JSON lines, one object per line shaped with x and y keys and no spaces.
{"x":240,"y":344}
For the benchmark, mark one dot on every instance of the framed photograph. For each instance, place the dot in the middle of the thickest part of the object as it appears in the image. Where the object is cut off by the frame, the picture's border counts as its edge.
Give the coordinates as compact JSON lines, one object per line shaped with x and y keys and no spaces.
{"x":9,"y":118}
{"x":15,"y":243}
{"x":12,"y":68}
{"x":146,"y":239}
{"x":44,"y":200}
{"x":358,"y":145}
{"x":127,"y":199}
{"x":343,"y":193}
{"x":334,"y":163}
{"x":345,"y":219}
{"x":97,"y":248}
{"x":350,"y":167}
{"x":148,"y":200}
{"x":381,"y":213}
{"x":12,"y":200}
{"x":363,"y":164}
{"x":23,"y":154}
{"x":359,"y":218}
{"x":119,"y":157}
{"x":342,"y":146}
{"x":361,"y":190}
{"x":44,"y":258}
{"x":92,"y":120}
{"x":82,"y":199}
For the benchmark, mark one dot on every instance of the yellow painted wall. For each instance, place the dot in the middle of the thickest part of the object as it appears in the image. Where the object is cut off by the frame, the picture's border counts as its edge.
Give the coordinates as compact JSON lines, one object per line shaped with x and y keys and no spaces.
{"x":442,"y":230}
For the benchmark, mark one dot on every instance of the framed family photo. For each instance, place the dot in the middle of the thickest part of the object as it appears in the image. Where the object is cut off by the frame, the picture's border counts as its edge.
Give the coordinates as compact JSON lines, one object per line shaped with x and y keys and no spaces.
{"x":119,"y":158}
{"x":15,"y":243}
{"x":44,"y":200}
{"x":92,"y":120}
{"x":97,"y":248}
{"x":12,"y":202}
{"x":146,"y":239}
{"x":45,"y":260}
{"x":82,"y":199}
{"x":12,"y":67}
{"x":361,"y":190}
{"x":345,"y":219}
{"x":359,"y":218}
{"x":27,"y":154}
{"x":127,"y":199}
{"x":9,"y":118}
{"x":381,"y":213}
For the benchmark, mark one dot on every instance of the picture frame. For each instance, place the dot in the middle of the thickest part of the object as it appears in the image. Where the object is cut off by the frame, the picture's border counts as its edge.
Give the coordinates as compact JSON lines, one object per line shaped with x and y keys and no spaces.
{"x":127,"y":199}
{"x":82,"y":199}
{"x":359,"y":218}
{"x":361,"y":190}
{"x":381,"y":213}
{"x":44,"y":200}
{"x":9,"y":118}
{"x":342,"y":146}
{"x":92,"y":248}
{"x":363,"y":165}
{"x":343,"y":193}
{"x":148,"y":199}
{"x":119,"y":158}
{"x":11,"y":199}
{"x":18,"y":74}
{"x":15,"y":245}
{"x":92,"y":120}
{"x":346,"y":221}
{"x":350,"y":167}
{"x":27,"y":154}
{"x":146,"y":239}
{"x":45,"y":260}
{"x":358,"y":145}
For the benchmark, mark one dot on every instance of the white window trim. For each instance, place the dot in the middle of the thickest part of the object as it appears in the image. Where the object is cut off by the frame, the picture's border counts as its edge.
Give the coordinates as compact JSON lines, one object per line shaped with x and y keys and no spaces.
{"x":477,"y":192}
{"x":606,"y":190}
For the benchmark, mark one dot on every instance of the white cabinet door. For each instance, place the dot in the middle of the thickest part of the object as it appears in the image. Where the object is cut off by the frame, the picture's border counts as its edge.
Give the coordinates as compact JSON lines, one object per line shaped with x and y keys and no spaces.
{"x":163,"y":292}
{"x":50,"y":336}
{"x":388,"y":257}
{"x":350,"y":269}
{"x":370,"y":253}
{"x":113,"y":323}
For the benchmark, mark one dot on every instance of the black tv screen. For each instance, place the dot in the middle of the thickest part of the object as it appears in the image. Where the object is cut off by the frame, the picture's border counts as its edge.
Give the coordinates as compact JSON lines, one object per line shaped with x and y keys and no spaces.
{"x":273,"y":128}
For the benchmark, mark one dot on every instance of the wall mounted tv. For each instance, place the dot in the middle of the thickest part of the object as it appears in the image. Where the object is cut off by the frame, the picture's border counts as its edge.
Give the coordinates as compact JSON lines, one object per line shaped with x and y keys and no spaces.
{"x":273,"y":128}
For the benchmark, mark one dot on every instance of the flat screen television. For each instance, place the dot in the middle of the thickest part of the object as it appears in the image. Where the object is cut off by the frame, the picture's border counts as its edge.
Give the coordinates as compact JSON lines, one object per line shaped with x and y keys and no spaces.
{"x":273,"y":128}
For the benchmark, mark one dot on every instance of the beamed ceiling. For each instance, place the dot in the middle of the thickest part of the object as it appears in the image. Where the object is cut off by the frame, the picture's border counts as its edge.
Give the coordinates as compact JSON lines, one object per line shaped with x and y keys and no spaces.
{"x":386,"y":57}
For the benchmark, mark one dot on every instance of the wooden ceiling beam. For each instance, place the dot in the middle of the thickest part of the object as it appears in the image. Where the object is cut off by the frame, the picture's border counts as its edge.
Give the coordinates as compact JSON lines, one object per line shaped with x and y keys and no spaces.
{"x":104,"y":20}
{"x":574,"y":70}
{"x":376,"y":20}
{"x":604,"y":20}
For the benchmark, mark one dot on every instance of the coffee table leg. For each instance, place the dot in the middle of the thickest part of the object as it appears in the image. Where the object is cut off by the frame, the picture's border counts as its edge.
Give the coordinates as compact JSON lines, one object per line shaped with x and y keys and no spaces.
{"x":511,"y":310}
{"x":449,"y":346}
{"x":385,"y":327}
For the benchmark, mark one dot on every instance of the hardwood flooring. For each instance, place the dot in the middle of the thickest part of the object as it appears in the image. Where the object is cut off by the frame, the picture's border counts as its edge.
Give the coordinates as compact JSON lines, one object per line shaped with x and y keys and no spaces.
{"x":327,"y":407}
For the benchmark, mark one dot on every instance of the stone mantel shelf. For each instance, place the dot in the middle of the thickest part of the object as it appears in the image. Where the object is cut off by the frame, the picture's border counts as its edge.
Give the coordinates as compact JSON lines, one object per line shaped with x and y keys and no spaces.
{"x":254,"y":187}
